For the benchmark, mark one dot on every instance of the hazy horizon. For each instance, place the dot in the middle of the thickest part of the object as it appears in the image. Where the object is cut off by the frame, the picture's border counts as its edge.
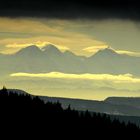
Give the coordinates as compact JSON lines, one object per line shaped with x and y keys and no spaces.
{"x":91,"y":86}
{"x":111,"y":47}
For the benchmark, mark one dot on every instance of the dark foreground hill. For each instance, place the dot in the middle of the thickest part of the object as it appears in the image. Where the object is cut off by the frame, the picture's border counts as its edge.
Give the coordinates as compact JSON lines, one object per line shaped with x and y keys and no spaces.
{"x":23,"y":110}
{"x":125,"y":111}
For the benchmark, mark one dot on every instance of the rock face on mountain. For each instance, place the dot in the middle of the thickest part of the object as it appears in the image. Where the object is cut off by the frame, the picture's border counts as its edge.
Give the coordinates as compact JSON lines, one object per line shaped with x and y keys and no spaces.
{"x":35,"y":60}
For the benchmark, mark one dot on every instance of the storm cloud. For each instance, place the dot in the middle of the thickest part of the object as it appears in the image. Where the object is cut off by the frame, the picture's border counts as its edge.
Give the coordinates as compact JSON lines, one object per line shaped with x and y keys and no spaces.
{"x":92,"y":9}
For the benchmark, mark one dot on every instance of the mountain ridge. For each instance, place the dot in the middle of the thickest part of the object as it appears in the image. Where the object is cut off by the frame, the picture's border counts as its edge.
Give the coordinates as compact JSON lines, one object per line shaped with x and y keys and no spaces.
{"x":52,"y":48}
{"x":35,"y":60}
{"x":27,"y":50}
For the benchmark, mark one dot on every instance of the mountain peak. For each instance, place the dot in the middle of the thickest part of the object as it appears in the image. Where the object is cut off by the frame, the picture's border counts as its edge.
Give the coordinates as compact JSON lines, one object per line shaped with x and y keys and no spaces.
{"x":29,"y":50}
{"x":31,"y":47}
{"x":106,"y":52}
{"x":51,"y":49}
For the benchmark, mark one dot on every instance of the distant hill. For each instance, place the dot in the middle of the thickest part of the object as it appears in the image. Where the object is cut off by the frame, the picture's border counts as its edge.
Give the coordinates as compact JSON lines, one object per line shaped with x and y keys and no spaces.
{"x":130,"y":101}
{"x":76,"y":104}
{"x":36,"y":113}
{"x":97,"y":106}
{"x":112,"y":105}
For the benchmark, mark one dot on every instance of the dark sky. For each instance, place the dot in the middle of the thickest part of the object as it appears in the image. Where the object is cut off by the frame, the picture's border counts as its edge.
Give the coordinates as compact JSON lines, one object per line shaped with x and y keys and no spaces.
{"x":97,"y":9}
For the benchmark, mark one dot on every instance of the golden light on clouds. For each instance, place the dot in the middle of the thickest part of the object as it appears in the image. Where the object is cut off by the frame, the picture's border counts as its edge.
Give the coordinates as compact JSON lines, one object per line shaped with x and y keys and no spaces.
{"x":123,"y":78}
{"x":131,"y":53}
{"x":23,"y":32}
{"x":94,"y":49}
{"x":38,"y":44}
{"x":81,"y":37}
{"x":24,"y":25}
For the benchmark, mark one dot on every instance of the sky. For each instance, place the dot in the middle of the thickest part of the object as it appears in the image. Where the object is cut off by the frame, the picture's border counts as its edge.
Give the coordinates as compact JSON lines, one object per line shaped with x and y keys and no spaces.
{"x":81,"y":36}
{"x":80,"y":26}
{"x":70,"y":9}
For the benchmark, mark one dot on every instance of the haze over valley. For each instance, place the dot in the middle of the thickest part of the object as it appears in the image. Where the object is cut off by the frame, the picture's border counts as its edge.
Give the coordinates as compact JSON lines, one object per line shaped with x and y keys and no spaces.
{"x":52,"y":72}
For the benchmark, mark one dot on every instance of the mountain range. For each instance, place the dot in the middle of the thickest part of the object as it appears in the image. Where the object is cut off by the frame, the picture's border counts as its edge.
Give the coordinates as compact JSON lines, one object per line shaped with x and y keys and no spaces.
{"x":48,"y":59}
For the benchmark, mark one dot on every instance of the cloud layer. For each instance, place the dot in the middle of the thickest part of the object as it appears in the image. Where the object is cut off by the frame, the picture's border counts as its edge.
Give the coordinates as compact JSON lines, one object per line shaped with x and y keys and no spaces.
{"x":124,"y":78}
{"x":83,"y":37}
{"x":18,"y":33}
{"x":93,"y":9}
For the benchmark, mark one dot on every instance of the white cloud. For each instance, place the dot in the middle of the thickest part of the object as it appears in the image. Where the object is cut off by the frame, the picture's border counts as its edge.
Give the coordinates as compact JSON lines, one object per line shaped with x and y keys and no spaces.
{"x":124,"y":78}
{"x":96,"y":48}
{"x":38,"y":43}
{"x":22,"y":32}
{"x":128,"y":52}
{"x":21,"y":45}
{"x":16,"y":45}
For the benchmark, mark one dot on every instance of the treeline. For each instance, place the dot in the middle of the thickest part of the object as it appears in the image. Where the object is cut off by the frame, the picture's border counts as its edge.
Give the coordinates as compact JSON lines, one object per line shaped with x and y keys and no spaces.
{"x":30,"y":111}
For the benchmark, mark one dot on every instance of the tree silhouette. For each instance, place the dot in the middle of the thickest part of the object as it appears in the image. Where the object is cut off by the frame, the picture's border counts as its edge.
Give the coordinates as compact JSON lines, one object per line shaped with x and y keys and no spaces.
{"x":31,"y":111}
